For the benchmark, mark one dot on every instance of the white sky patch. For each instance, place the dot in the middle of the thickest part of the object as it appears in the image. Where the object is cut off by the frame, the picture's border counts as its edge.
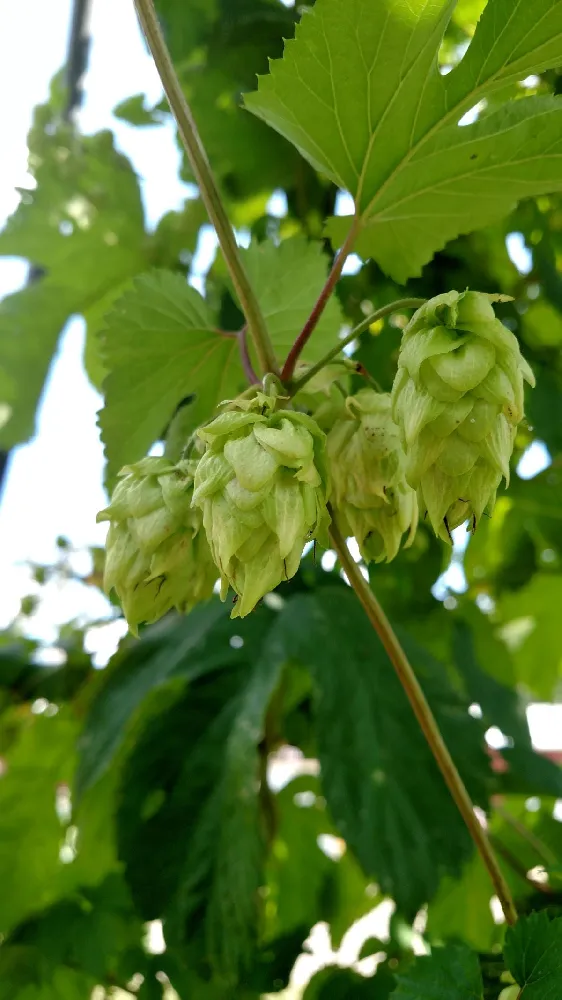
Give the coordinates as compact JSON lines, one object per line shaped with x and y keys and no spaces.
{"x":496,"y":739}
{"x":545,"y":725}
{"x":344,"y":204}
{"x":472,"y":114}
{"x":353,"y":264}
{"x":536,"y":458}
{"x":519,"y":254}
{"x":277,"y":205}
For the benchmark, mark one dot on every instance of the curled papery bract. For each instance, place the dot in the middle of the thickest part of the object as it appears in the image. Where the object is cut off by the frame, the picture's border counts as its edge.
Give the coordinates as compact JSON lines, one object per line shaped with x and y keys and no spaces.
{"x":262,"y":488}
{"x":157,"y":556}
{"x":370,"y":496}
{"x":457,"y":398}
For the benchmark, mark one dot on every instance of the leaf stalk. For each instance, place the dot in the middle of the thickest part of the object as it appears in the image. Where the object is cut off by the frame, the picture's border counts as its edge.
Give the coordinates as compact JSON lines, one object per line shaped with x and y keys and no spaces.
{"x":391,"y":307}
{"x":207,"y":184}
{"x":427,"y":721}
{"x":312,"y":321}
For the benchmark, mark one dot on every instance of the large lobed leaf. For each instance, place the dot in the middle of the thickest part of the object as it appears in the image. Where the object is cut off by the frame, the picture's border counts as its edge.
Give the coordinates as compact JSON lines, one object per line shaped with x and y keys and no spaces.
{"x":189,"y":827}
{"x":360,"y":94}
{"x":191,"y":766}
{"x":399,"y":820}
{"x":533,"y":955}
{"x":451,"y":973}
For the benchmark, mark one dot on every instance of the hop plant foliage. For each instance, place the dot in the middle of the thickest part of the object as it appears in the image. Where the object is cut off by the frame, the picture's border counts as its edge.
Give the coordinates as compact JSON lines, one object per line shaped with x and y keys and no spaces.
{"x":458,"y":398}
{"x":262,"y":486}
{"x":157,"y":556}
{"x":371,"y":497}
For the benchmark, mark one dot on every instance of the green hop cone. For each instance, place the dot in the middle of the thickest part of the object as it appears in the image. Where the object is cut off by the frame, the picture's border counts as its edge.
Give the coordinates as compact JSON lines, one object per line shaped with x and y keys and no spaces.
{"x":262,"y":486}
{"x":457,"y":399}
{"x":370,"y":495}
{"x":323,"y":396}
{"x":157,"y":556}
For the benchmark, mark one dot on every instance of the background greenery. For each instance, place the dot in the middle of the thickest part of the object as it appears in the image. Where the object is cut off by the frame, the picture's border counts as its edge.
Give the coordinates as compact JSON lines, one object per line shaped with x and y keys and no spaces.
{"x":140,"y":793}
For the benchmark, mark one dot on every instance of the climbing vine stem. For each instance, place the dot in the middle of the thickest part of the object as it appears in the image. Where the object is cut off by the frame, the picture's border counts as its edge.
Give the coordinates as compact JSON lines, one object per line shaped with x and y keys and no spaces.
{"x":207,"y":185}
{"x":426,"y":719}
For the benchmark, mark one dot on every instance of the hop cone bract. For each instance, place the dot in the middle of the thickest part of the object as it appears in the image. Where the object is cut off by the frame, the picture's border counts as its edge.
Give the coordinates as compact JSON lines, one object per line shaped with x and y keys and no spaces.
{"x":261,"y":485}
{"x":157,"y":556}
{"x":457,"y":398}
{"x":321,"y":397}
{"x":370,"y":495}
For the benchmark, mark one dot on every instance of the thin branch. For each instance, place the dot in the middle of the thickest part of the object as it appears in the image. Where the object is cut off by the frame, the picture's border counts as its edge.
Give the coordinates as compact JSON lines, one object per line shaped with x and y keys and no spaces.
{"x":207,"y":184}
{"x":245,"y":356}
{"x":311,"y":323}
{"x":427,"y":721}
{"x":356,"y":332}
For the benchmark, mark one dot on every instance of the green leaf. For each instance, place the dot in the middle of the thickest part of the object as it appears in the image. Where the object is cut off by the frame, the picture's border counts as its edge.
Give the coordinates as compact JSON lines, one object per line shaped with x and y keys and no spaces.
{"x":461,"y":910}
{"x":531,"y":631}
{"x":399,"y":821}
{"x":189,"y":825}
{"x":134,"y":111}
{"x":83,"y":227}
{"x":451,"y":973}
{"x":533,"y":955}
{"x":335,"y":890}
{"x":89,"y":932}
{"x":544,"y":408}
{"x":160,"y":344}
{"x":360,"y":95}
{"x":287,"y":280}
{"x":38,"y":761}
{"x":176,"y":648}
{"x":345,"y":984}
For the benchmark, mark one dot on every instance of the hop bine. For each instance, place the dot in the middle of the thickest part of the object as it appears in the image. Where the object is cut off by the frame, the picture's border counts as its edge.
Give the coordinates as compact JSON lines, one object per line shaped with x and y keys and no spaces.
{"x":457,"y":399}
{"x":157,"y":556}
{"x":370,"y":495}
{"x":262,"y":487}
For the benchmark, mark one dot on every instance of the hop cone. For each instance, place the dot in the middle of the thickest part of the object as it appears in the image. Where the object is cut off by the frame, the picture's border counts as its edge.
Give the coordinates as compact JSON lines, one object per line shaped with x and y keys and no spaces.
{"x":321,"y":396}
{"x":457,"y":398}
{"x":370,"y":495}
{"x":157,"y":556}
{"x":261,"y":485}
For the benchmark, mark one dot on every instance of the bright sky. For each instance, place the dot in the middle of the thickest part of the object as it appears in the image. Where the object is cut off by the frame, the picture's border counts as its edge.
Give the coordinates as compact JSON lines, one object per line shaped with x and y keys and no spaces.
{"x":54,"y":484}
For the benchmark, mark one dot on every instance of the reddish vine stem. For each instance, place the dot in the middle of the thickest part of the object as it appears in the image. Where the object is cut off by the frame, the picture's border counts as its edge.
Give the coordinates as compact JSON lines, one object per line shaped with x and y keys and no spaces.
{"x":312,"y":321}
{"x":427,"y":721}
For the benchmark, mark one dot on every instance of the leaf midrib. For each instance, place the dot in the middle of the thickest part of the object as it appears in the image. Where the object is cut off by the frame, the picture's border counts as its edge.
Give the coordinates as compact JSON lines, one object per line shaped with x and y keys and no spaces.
{"x":469,"y":99}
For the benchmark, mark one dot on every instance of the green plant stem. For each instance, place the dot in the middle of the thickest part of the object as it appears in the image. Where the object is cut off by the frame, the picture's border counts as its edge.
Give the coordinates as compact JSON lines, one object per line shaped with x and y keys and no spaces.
{"x":207,"y":185}
{"x":356,"y":332}
{"x":321,"y":302}
{"x":426,"y":719}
